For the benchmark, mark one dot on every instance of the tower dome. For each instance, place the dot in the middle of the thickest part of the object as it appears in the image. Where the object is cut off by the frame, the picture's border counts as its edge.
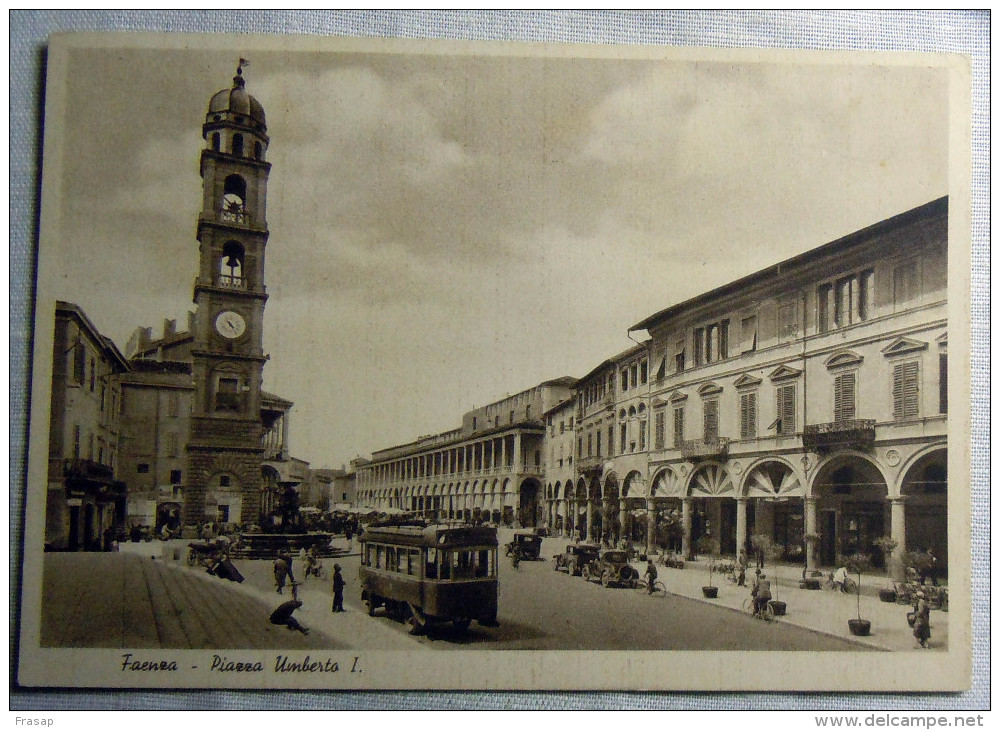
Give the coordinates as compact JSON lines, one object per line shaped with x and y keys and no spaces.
{"x":236,"y":105}
{"x":234,"y":124}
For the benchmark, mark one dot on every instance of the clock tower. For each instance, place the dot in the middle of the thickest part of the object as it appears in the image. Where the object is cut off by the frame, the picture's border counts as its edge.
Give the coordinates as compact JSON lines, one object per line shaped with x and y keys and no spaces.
{"x":224,"y":450}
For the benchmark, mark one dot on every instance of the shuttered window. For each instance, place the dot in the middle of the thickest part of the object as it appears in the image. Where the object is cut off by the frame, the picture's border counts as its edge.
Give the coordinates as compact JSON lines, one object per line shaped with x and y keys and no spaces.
{"x":711,"y":420}
{"x":678,"y":427}
{"x":748,"y":415}
{"x":844,"y":397}
{"x":79,"y":362}
{"x":905,"y":390}
{"x":660,"y":428}
{"x":786,"y":409}
{"x":943,"y":383}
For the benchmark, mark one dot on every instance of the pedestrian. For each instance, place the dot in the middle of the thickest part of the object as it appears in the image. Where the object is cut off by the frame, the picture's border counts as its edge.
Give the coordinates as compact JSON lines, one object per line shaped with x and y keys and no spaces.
{"x":922,"y":622}
{"x":280,"y":572}
{"x":839,"y":578}
{"x":349,"y":534}
{"x":743,"y":563}
{"x":338,"y":589}
{"x":282,"y":616}
{"x":929,"y":570}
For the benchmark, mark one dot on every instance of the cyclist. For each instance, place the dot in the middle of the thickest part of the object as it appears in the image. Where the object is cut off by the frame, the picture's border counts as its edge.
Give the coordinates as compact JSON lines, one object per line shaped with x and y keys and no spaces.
{"x":650,"y":577}
{"x":761,"y":593}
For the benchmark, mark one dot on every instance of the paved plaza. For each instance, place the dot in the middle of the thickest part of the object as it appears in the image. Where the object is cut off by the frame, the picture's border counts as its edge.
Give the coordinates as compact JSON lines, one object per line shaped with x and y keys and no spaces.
{"x":146,"y":596}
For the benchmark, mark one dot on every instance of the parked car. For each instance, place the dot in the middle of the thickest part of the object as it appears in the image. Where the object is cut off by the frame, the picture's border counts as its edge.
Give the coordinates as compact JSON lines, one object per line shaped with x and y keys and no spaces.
{"x":528,"y":544}
{"x":576,"y":556}
{"x":611,"y":567}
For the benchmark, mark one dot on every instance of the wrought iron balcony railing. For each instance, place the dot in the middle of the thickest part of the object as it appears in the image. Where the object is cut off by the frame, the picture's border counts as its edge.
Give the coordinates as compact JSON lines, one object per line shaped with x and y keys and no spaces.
{"x":855,"y":432}
{"x":705,"y":448}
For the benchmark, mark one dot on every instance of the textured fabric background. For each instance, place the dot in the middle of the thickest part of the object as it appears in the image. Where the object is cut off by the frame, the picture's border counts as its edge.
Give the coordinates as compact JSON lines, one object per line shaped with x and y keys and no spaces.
{"x":956,"y":31}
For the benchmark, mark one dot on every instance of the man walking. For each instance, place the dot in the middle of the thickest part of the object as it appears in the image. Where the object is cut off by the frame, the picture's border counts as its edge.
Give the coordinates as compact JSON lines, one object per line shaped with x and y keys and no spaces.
{"x":338,"y":590}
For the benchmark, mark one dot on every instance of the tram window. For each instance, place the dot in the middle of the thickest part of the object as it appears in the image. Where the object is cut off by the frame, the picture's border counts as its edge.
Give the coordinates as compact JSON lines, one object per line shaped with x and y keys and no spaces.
{"x":380,"y":556}
{"x":446,"y":561}
{"x":483,"y":564}
{"x":369,"y":554}
{"x":431,"y":570}
{"x":390,"y":559}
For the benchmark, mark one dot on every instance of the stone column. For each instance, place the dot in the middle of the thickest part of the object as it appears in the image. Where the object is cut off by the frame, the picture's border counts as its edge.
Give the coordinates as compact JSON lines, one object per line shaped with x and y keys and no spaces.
{"x":686,"y":527}
{"x":898,"y":533}
{"x":622,"y":506}
{"x":741,"y":523}
{"x":810,"y":522}
{"x":650,"y":527}
{"x":590,"y":518}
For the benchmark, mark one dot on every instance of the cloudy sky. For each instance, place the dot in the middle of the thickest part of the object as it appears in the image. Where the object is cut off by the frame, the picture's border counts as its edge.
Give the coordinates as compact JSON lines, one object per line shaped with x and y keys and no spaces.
{"x":447,"y":229}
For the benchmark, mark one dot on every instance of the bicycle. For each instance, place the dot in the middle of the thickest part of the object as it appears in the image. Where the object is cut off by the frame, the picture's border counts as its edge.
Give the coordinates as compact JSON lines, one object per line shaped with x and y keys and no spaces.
{"x":659,"y":588}
{"x":850,"y":585}
{"x":766,"y":613}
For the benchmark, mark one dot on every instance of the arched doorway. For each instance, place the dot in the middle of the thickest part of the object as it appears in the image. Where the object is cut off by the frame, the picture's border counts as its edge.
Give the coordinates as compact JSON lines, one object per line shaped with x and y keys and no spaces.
{"x":713,"y":508}
{"x":633,"y":518}
{"x":852,"y":507}
{"x":925,"y":489}
{"x":666,"y":501}
{"x":775,"y":507}
{"x":528,"y":504}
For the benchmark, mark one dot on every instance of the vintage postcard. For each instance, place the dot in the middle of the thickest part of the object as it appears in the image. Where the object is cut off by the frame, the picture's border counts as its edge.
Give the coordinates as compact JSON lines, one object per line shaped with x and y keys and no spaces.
{"x":371,"y":364}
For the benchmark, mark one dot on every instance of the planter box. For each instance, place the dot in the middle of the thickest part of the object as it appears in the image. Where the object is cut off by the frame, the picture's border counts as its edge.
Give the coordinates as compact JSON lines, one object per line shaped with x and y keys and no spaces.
{"x":710,"y":591}
{"x":778,"y":607}
{"x":860,"y":626}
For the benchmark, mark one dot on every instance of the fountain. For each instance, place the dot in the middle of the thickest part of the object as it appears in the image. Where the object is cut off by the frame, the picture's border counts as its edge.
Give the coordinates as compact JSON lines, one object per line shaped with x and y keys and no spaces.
{"x":284,"y":529}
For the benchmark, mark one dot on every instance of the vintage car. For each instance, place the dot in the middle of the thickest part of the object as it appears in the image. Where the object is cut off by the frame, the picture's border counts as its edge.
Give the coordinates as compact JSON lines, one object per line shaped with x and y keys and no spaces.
{"x":611,"y":567}
{"x":527,"y":543}
{"x":576,"y":556}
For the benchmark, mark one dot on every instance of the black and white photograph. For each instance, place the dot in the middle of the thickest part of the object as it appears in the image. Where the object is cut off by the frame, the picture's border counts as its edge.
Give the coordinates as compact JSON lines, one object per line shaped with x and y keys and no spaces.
{"x":375,"y":364}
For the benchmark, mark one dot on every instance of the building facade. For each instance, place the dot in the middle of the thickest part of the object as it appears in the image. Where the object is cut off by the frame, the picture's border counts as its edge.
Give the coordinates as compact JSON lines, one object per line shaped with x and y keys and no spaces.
{"x":489,"y":469}
{"x":808,"y":401}
{"x":84,"y":497}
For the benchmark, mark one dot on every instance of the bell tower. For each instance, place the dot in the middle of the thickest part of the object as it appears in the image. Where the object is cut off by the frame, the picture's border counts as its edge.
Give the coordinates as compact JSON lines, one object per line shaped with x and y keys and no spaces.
{"x":224,"y":450}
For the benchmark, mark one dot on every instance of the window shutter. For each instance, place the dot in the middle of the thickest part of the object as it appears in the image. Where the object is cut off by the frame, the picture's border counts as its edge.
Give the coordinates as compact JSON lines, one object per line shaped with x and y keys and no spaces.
{"x":844,"y":397}
{"x":943,"y":383}
{"x":678,"y":426}
{"x":711,"y":420}
{"x":786,"y":409}
{"x":79,"y":362}
{"x":748,"y":415}
{"x":661,"y":419}
{"x":905,"y":390}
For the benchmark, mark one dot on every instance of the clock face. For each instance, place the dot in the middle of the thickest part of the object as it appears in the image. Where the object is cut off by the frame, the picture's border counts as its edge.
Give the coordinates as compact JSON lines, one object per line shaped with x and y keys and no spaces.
{"x":230,"y":325}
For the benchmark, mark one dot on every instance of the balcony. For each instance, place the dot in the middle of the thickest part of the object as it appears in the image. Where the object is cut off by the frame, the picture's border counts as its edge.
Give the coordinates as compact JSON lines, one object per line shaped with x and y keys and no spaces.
{"x":717,"y":448}
{"x":854,"y":433}
{"x":586,"y":464}
{"x":87,"y":470}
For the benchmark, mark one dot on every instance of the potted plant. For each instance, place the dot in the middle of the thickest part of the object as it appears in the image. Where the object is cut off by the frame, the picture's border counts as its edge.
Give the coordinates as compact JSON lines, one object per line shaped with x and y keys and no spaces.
{"x":770,"y":552}
{"x":887,"y":545}
{"x":859,"y":563}
{"x":704,"y":545}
